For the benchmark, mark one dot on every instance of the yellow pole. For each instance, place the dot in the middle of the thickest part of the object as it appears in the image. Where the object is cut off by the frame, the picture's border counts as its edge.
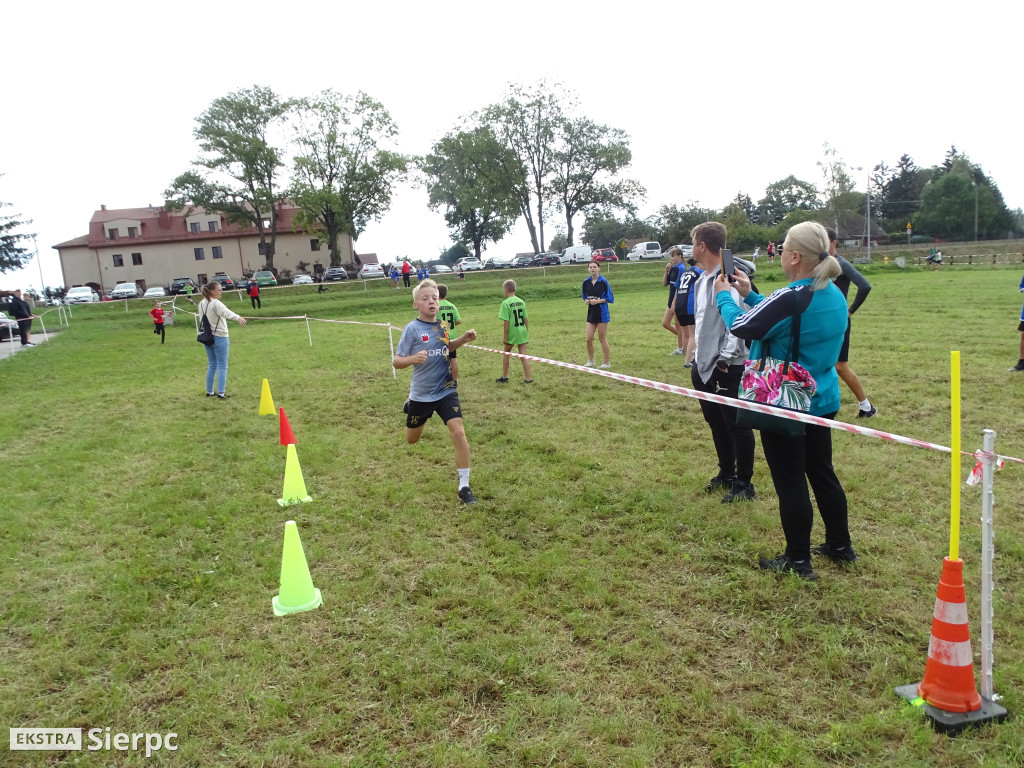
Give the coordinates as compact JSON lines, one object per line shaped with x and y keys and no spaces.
{"x":954,"y":444}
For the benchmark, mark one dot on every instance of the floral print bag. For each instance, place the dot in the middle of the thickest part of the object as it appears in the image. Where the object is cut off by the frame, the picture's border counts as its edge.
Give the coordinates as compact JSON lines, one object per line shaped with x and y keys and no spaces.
{"x":781,"y":383}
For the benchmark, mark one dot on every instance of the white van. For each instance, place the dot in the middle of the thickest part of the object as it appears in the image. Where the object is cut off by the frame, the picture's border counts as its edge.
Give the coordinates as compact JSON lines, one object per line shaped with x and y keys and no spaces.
{"x":575,"y":254}
{"x":643,"y":251}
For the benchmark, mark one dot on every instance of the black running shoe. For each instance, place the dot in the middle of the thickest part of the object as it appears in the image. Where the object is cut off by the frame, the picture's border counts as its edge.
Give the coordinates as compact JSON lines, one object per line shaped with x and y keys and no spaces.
{"x":466,"y":496}
{"x":1018,"y":367}
{"x":837,"y":555}
{"x":785,"y":564}
{"x":862,"y":414}
{"x":501,"y":380}
{"x":741,"y":491}
{"x":718,"y":482}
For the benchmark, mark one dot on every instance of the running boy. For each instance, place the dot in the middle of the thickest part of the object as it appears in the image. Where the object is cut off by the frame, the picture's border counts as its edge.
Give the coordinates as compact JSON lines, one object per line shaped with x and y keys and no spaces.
{"x":425,"y":344}
{"x":447,"y":313}
{"x":157,"y":314}
{"x":517,"y":330}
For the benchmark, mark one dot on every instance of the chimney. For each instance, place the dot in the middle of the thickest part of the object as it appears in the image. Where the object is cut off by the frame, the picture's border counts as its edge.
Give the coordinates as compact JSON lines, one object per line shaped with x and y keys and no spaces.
{"x":150,"y":207}
{"x":103,"y":207}
{"x":165,"y":219}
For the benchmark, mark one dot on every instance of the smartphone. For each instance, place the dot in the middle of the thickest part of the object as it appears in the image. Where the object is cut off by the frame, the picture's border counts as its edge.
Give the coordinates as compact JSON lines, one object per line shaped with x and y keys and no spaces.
{"x":727,"y":266}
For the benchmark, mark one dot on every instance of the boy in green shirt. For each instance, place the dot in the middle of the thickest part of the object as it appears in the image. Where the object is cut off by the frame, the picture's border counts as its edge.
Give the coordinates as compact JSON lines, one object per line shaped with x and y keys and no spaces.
{"x":517,"y":327}
{"x":446,"y":312}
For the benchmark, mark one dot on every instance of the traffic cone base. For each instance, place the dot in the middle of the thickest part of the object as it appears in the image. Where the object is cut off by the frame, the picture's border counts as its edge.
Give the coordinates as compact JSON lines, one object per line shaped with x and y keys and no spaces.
{"x":297,"y":592}
{"x":287,"y":436}
{"x":266,"y":401}
{"x":294,"y":486}
{"x":951,"y":723}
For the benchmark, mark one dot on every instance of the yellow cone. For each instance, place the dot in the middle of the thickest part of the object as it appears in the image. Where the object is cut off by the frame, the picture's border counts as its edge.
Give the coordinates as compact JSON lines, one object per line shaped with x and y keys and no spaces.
{"x":294,"y":486}
{"x":266,"y":401}
{"x":297,"y":591}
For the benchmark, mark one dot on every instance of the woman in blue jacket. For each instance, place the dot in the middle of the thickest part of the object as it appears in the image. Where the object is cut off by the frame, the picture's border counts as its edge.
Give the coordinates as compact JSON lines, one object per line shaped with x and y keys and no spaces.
{"x":597,"y":294}
{"x":795,"y":461}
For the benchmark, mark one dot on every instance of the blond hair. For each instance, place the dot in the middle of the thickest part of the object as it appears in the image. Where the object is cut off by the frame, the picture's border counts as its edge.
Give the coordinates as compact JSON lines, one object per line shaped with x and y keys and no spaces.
{"x":509,"y":286}
{"x":810,"y":240}
{"x":428,"y":283}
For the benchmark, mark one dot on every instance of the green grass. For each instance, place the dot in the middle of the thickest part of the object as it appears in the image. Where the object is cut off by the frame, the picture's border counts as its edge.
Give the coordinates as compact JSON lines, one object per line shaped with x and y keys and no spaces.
{"x":595,"y":609}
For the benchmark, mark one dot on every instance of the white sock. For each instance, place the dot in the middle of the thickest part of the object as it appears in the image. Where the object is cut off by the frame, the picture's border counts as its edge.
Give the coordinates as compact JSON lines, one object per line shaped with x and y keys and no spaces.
{"x":865,"y":404}
{"x":463,"y":478}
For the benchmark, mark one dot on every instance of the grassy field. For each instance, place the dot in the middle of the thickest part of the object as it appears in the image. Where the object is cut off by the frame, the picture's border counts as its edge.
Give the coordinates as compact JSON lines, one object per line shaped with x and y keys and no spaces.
{"x":595,"y":609}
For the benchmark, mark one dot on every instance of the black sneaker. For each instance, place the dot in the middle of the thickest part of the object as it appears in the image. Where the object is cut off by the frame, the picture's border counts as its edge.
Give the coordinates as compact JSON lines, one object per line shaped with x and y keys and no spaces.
{"x":837,"y":555}
{"x":862,"y":414}
{"x":785,"y":564}
{"x":466,"y":496}
{"x":718,"y":482}
{"x":527,"y":381}
{"x":1018,"y":367}
{"x":210,"y":394}
{"x":221,"y":395}
{"x":741,"y":491}
{"x":501,"y":380}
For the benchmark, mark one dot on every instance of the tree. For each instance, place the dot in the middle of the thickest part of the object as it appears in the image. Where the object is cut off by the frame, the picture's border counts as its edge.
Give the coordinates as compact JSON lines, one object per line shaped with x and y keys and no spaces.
{"x":896,"y":192}
{"x":467,"y":173}
{"x":344,"y":173}
{"x":453,"y":254}
{"x":559,"y":242}
{"x":743,"y":200}
{"x":12,"y":255}
{"x":837,"y":185}
{"x":585,"y":159}
{"x":609,"y":232}
{"x":673,"y":224}
{"x":784,"y":196}
{"x":948,"y":204}
{"x":525,"y":124}
{"x":237,"y":177}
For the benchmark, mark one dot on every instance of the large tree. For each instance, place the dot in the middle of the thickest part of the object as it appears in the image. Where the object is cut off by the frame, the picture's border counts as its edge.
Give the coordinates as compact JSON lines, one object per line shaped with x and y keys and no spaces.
{"x":237,"y":176}
{"x":784,"y":196}
{"x":896,"y":192}
{"x":586,"y":159}
{"x":526,"y":123}
{"x":12,"y":255}
{"x":950,"y":199}
{"x":345,"y":168}
{"x":837,"y":187}
{"x":467,"y":174}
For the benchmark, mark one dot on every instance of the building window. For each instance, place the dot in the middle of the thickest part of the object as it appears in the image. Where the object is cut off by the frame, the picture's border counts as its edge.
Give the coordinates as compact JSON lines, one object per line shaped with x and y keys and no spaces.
{"x":136,"y":259}
{"x":217,"y":253}
{"x":262,"y":250}
{"x":196,"y":227}
{"x":314,"y":244}
{"x":112,"y":234}
{"x":133,"y":232}
{"x":202,"y":279}
{"x":214,"y":226}
{"x":118,"y":260}
{"x":199,"y":254}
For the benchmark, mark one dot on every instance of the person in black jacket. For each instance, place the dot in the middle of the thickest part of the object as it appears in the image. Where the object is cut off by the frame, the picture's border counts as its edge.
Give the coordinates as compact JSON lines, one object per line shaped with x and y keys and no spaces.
{"x":23,"y":314}
{"x":847,"y":276}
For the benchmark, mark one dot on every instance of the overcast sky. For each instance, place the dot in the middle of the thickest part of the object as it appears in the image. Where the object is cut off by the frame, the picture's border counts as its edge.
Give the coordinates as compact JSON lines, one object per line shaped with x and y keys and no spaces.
{"x":717,"y":98}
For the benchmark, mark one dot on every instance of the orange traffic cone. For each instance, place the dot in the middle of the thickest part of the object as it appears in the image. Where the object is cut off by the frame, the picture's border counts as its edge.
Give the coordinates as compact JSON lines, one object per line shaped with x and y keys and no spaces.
{"x":949,"y":672}
{"x":287,"y":436}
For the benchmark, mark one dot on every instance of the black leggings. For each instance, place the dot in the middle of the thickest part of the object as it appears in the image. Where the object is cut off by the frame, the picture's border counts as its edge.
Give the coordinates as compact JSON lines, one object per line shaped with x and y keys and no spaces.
{"x":794,"y":462}
{"x":734,"y":445}
{"x":158,"y":328}
{"x":256,"y":302}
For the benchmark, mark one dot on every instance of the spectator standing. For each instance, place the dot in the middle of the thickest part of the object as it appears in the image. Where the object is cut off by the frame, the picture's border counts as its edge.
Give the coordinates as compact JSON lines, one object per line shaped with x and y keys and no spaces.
{"x":717,"y":369}
{"x":217,"y":314}
{"x":23,"y":314}
{"x":597,"y":295}
{"x":1020,"y":361}
{"x":406,"y":272}
{"x":671,"y":279}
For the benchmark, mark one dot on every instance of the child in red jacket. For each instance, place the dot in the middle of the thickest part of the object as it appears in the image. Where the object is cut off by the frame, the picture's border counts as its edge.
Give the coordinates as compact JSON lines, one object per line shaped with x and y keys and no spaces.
{"x":158,"y":321}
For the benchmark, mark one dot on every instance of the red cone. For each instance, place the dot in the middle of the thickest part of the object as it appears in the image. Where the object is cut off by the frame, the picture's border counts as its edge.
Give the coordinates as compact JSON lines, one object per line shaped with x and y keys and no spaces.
{"x":287,"y":436}
{"x":949,"y":672}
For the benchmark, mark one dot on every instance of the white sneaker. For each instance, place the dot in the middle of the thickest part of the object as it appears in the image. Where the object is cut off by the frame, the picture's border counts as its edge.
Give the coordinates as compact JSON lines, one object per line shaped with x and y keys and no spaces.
{"x":678,"y":352}
{"x":606,"y":366}
{"x":590,"y":364}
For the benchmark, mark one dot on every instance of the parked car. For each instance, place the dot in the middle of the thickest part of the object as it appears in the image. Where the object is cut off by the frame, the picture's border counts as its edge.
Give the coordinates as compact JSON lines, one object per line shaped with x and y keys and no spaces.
{"x":604,"y":254}
{"x":440,"y":269}
{"x":469,"y":263}
{"x":8,"y":327}
{"x":226,"y":283}
{"x":178,"y":285}
{"x":370,"y":270}
{"x":545,"y":260}
{"x":575,"y":254}
{"x":264,"y":278}
{"x":83,"y":294}
{"x":333,"y":274}
{"x":643,"y":251}
{"x":125,"y":291}
{"x":521,"y":261}
{"x":305,"y":280}
{"x":154,"y":293}
{"x":498,"y":262}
